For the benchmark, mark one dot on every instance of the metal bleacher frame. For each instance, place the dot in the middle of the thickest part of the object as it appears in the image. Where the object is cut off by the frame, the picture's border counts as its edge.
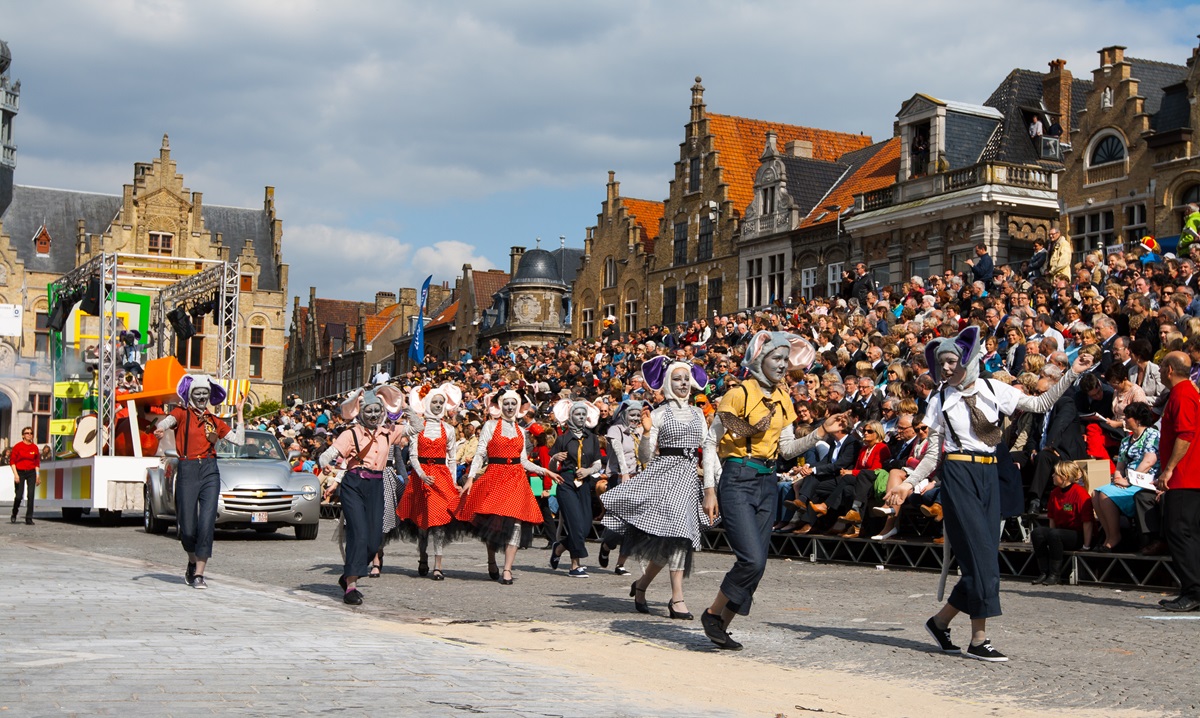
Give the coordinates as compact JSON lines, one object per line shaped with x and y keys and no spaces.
{"x":921,"y":554}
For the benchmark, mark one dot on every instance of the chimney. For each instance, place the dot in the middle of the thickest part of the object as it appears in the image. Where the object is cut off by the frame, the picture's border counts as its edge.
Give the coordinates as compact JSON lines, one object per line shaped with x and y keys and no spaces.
{"x":383,"y":300}
{"x":614,"y":190}
{"x":697,"y":108}
{"x":1112,"y":55}
{"x":514,"y":256}
{"x":800,"y":148}
{"x":1056,"y":94}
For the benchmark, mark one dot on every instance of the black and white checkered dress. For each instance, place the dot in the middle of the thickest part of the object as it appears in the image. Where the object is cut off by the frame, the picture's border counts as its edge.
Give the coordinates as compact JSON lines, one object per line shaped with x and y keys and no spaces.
{"x":660,"y":510}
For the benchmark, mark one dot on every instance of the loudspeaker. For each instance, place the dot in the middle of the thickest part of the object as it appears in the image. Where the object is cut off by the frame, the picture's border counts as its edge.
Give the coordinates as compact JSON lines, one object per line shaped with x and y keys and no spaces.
{"x":181,"y":323}
{"x":58,"y":315}
{"x":91,"y":298}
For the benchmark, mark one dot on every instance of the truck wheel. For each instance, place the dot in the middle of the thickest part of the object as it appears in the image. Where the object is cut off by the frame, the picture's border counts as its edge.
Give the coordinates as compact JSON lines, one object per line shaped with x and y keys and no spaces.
{"x":72,"y":513}
{"x":152,"y":523}
{"x":307,"y":532}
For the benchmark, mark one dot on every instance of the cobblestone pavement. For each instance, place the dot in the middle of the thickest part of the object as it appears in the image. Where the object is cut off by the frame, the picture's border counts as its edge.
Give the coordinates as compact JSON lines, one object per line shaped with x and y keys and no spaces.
{"x":1087,"y":648}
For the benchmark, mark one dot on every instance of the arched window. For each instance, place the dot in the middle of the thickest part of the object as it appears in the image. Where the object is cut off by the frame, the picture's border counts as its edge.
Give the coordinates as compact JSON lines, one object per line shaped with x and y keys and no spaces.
{"x":610,"y":273}
{"x":1108,"y":149}
{"x":1190,"y":195}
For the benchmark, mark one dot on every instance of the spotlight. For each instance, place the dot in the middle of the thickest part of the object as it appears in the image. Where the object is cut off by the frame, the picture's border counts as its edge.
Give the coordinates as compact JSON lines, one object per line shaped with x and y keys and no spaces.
{"x":181,"y":323}
{"x":58,"y":315}
{"x":91,"y":298}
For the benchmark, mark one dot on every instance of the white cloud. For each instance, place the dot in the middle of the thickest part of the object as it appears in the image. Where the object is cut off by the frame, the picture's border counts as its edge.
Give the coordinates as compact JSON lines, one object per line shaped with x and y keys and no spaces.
{"x":349,"y":264}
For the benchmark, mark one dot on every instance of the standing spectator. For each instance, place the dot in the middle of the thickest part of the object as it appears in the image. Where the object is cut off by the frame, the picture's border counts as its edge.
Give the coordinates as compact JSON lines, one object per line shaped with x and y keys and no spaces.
{"x":1060,"y":255}
{"x":26,"y":459}
{"x":1179,"y":477}
{"x":982,"y":267}
{"x":1036,"y":266}
{"x":1035,"y":127}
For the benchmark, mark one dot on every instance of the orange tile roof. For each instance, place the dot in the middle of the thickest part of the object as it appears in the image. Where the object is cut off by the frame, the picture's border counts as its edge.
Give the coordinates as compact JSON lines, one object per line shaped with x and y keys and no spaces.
{"x":486,"y":284}
{"x":876,"y":173}
{"x":445,"y":316}
{"x":374,"y":326}
{"x":646,"y":214}
{"x":740,"y":142}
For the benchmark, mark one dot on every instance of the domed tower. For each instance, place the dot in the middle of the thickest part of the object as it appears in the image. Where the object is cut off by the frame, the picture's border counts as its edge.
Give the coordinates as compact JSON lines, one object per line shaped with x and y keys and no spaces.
{"x":10,"y":99}
{"x":535,"y":299}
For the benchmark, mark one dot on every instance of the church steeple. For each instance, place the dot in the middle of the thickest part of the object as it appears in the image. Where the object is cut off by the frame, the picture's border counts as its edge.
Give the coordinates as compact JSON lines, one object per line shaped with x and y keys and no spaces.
{"x":10,"y":100}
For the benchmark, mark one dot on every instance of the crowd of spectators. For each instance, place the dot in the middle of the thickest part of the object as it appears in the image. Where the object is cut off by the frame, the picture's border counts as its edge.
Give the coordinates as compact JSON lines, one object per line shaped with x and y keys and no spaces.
{"x":1137,"y":313}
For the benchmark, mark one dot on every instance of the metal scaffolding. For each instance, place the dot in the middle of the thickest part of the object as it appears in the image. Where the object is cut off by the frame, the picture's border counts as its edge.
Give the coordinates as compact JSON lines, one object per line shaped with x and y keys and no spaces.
{"x":219,"y":283}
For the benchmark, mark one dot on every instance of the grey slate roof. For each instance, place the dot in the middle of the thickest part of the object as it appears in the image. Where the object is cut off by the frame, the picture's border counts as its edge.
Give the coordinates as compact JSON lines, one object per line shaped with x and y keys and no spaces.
{"x":1022,"y":88}
{"x":237,"y":226}
{"x":1174,"y":112}
{"x":966,"y":138}
{"x":1153,"y":77}
{"x":60,"y":209}
{"x":809,"y":180}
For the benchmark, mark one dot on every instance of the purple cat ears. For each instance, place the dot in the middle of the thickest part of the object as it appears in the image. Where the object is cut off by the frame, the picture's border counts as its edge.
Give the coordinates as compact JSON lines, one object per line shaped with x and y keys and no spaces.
{"x":216,"y":392}
{"x":963,"y":344}
{"x":655,"y":372}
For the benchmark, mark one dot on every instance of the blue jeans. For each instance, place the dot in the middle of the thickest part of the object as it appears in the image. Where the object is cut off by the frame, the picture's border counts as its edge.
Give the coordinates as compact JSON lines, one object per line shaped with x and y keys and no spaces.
{"x":747,"y":500}
{"x":197,"y":488}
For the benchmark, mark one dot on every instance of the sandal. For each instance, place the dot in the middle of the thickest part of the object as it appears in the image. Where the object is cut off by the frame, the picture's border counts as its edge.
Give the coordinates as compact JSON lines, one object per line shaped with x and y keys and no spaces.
{"x":375,"y":571}
{"x":422,"y":567}
{"x":641,"y":605}
{"x":437,"y":575}
{"x":507,"y":581}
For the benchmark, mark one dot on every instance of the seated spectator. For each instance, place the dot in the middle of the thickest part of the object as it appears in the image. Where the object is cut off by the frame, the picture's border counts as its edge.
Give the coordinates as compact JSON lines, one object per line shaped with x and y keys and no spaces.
{"x":1138,"y":453}
{"x":867,"y":479}
{"x":1070,"y":514}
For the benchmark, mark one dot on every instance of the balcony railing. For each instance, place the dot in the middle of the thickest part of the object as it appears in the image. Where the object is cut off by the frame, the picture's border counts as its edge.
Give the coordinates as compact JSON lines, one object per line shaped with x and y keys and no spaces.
{"x":984,"y":173}
{"x":1104,"y":173}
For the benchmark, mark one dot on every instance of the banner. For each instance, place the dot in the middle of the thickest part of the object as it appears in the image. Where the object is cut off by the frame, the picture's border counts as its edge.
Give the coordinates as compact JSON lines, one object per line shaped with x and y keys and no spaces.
{"x":416,"y":349}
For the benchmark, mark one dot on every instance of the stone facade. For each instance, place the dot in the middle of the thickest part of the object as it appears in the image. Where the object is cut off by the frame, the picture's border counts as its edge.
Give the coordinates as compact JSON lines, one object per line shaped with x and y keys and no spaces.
{"x":1132,"y":167}
{"x":616,"y":259}
{"x":535,"y":306}
{"x":45,"y":233}
{"x":967,"y":175}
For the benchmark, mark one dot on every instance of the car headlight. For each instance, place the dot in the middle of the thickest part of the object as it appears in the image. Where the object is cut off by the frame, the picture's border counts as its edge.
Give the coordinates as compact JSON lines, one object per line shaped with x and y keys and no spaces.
{"x":309,"y":492}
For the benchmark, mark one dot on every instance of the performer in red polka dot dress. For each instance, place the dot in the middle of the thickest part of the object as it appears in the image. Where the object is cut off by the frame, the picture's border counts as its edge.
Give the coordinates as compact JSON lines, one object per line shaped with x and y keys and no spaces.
{"x":426,"y":510}
{"x":499,"y":503}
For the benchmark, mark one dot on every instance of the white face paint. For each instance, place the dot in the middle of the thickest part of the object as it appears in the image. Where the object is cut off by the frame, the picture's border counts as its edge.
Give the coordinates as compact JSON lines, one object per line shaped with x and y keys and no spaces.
{"x":633,"y":416}
{"x":578,"y":417}
{"x":950,"y":368}
{"x":508,"y":408}
{"x":198,"y":397}
{"x":436,"y":404}
{"x":775,"y":364}
{"x":680,"y":382}
{"x":371,"y":415}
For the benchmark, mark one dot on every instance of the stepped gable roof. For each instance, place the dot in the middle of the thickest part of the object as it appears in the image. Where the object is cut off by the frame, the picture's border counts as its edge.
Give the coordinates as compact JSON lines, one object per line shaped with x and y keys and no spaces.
{"x":871,"y":168}
{"x":809,"y":180}
{"x":739,"y":142}
{"x":646,"y":215}
{"x":58,"y":210}
{"x":239,"y":226}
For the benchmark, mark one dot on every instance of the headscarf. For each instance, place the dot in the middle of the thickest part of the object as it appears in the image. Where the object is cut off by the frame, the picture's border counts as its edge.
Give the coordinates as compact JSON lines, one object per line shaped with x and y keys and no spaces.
{"x":621,"y":416}
{"x":800,"y":352}
{"x":564,"y":410}
{"x":421,"y":404}
{"x":657,"y":374}
{"x":965,"y":345}
{"x":216,"y":392}
{"x":390,"y":397}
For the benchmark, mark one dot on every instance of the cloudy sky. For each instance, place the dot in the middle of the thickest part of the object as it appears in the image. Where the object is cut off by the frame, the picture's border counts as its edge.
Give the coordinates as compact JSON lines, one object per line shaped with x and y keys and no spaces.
{"x":406,"y":138}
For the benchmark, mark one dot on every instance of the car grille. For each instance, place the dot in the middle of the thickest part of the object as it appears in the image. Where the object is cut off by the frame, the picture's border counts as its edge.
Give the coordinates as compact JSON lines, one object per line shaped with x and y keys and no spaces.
{"x":249,"y":500}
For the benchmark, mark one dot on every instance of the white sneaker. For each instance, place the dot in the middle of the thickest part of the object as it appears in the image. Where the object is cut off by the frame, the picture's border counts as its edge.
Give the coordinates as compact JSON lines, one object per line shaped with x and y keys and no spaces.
{"x":885,"y":536}
{"x":883,"y":510}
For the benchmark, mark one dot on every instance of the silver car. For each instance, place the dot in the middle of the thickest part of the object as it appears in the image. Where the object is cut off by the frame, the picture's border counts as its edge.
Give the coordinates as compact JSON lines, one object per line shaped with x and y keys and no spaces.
{"x":259,"y":490}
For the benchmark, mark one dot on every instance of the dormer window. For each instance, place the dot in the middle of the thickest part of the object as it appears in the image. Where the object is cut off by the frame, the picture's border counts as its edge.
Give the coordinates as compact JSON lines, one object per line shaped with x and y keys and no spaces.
{"x":41,"y":241}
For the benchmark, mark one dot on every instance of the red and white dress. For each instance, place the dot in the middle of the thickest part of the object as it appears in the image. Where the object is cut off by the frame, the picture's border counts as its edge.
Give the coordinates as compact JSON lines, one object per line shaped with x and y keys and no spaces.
{"x":425,"y":506}
{"x":500,"y":496}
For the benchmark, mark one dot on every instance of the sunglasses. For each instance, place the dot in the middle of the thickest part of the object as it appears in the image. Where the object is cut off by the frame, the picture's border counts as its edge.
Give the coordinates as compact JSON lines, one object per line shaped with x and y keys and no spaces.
{"x":922,"y":428}
{"x":868,"y":431}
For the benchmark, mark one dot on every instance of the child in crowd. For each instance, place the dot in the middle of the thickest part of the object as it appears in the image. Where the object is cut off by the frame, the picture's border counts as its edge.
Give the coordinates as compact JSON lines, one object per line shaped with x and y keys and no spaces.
{"x":1071,"y":520}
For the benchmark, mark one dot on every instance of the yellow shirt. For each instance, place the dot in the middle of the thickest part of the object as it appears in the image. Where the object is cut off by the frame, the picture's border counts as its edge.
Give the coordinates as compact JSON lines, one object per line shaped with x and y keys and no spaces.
{"x":764,"y":446}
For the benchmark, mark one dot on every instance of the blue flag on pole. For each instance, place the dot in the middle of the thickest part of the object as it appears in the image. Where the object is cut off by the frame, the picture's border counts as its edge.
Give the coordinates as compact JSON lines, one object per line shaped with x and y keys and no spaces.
{"x":416,"y":350}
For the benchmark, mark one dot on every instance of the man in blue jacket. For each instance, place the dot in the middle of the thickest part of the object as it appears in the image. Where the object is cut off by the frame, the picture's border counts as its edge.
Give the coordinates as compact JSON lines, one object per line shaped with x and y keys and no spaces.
{"x":982,"y":266}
